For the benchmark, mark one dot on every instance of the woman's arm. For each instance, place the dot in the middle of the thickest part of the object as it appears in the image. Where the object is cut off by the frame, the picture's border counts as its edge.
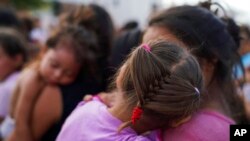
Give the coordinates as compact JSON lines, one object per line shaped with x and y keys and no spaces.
{"x":47,"y":111}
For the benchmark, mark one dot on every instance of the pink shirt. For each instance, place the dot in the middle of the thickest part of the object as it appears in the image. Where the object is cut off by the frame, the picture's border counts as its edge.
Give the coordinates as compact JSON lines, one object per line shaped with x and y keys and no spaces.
{"x":206,"y":125}
{"x":6,"y":90}
{"x":92,"y":121}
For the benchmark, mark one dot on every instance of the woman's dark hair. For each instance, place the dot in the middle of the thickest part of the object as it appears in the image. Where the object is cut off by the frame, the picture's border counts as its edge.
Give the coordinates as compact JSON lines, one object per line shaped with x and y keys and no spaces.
{"x":123,"y":45}
{"x":209,"y":38}
{"x":13,"y":44}
{"x":130,"y":25}
{"x":83,"y":44}
{"x":97,"y":20}
{"x":166,"y":82}
{"x":8,"y":18}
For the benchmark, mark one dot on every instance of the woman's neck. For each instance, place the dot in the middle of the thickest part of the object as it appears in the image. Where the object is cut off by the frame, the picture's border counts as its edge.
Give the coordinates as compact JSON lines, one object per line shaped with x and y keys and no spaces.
{"x":215,"y":100}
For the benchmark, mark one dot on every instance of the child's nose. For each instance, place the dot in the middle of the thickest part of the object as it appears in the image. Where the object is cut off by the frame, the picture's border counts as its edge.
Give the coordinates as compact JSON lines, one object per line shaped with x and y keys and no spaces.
{"x":57,"y":74}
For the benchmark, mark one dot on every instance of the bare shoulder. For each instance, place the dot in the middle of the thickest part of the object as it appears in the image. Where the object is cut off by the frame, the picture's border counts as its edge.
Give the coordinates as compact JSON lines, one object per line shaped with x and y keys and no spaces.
{"x":30,"y":75}
{"x":50,"y":102}
{"x":27,"y":81}
{"x":47,"y":110}
{"x":27,"y":91}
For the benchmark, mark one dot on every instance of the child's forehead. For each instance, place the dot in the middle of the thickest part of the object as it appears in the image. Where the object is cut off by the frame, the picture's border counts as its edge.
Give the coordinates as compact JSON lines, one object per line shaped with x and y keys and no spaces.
{"x":63,"y":50}
{"x":63,"y":57}
{"x":65,"y":46}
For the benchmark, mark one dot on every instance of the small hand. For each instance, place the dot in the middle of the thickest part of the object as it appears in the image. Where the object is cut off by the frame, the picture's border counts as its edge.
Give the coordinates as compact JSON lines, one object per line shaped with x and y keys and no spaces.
{"x":106,"y":98}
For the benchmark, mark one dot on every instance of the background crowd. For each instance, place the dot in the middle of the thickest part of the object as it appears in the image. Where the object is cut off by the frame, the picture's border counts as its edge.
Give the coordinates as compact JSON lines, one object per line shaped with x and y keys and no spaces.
{"x":45,"y":74}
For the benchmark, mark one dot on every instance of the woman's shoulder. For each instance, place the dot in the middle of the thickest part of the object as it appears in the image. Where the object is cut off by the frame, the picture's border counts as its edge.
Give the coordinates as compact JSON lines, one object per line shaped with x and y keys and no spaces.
{"x":205,"y":125}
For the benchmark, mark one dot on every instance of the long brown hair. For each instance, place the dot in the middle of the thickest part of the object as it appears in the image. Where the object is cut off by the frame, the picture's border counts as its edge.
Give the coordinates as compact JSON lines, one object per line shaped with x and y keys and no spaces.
{"x":166,"y":82}
{"x":210,"y":38}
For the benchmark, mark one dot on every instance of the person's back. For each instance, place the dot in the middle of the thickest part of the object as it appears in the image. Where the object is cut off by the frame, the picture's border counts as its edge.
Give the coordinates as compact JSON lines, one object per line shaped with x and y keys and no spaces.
{"x":205,"y":125}
{"x":98,"y":125}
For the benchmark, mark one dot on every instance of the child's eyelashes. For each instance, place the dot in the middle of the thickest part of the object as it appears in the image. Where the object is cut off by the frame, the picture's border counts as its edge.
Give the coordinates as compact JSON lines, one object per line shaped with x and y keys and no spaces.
{"x":56,"y":65}
{"x":69,"y":73}
{"x":53,"y":65}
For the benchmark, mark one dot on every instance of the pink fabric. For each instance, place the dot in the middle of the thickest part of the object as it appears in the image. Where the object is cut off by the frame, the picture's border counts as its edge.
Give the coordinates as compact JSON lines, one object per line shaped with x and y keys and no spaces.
{"x":206,"y":125}
{"x":6,"y":90}
{"x":92,"y":121}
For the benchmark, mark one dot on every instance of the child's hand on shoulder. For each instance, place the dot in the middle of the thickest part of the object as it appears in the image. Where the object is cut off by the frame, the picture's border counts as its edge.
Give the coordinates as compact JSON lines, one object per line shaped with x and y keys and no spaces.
{"x":105,"y":97}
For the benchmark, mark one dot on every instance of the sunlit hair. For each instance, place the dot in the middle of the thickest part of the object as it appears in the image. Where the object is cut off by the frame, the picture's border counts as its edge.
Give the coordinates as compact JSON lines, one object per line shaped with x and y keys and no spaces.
{"x":163,"y":82}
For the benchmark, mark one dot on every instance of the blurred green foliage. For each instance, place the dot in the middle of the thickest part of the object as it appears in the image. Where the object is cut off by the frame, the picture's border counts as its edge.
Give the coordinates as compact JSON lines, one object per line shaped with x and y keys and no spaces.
{"x":28,"y":4}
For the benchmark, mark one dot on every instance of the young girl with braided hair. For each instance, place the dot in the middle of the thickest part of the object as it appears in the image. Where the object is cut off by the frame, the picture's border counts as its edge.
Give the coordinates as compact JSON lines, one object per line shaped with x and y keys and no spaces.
{"x":159,"y":86}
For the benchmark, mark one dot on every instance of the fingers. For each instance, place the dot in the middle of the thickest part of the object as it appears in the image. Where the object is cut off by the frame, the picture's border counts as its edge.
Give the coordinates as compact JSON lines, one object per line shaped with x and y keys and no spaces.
{"x":88,"y":97}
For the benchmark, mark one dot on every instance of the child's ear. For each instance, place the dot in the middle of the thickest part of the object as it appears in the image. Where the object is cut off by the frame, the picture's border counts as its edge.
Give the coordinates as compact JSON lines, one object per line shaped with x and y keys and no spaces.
{"x":208,"y":68}
{"x":179,"y":122}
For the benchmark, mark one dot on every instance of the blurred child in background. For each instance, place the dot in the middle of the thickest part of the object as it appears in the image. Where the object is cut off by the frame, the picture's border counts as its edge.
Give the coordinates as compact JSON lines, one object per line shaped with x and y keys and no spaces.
{"x":13,"y":56}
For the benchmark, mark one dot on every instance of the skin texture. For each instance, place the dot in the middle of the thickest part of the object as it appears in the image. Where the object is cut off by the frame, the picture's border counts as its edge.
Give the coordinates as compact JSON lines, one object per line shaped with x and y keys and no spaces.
{"x":43,"y":117}
{"x":58,"y":66}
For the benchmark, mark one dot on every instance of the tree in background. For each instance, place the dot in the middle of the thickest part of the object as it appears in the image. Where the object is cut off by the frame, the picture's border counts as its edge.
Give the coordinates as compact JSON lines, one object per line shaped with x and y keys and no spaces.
{"x":24,"y":4}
